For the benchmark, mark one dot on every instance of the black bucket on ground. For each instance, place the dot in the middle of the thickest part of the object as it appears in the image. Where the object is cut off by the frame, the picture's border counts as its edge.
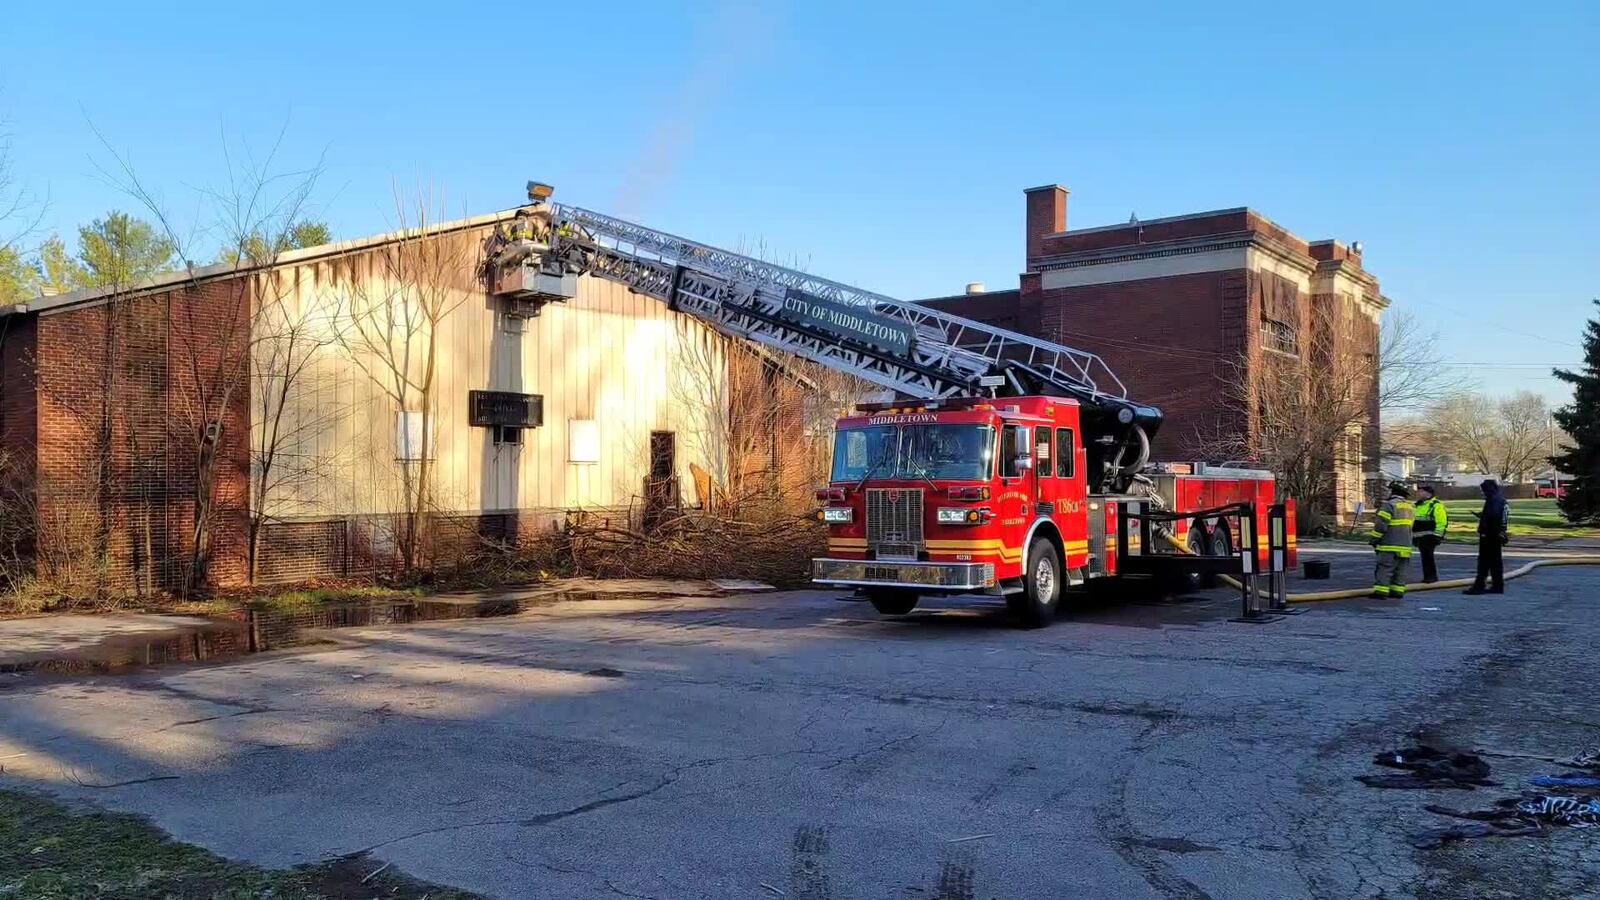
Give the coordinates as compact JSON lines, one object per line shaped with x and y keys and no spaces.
{"x":1318,"y":569}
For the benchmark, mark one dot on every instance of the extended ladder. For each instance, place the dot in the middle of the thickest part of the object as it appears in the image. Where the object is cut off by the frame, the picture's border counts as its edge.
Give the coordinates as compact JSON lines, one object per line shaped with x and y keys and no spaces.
{"x":753,"y":299}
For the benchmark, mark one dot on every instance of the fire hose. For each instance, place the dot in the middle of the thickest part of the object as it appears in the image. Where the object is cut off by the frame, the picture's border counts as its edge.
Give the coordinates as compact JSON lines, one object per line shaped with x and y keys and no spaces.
{"x":1352,"y":593}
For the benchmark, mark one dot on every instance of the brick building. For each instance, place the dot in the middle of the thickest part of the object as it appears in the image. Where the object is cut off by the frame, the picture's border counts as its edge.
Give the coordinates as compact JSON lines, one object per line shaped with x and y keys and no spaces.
{"x":116,"y":403}
{"x":1191,"y":310}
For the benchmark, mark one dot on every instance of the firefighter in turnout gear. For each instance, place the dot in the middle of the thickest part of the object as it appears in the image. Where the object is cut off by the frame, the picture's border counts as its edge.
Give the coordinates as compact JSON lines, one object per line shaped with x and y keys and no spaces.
{"x":1391,"y":537}
{"x":1432,"y":520}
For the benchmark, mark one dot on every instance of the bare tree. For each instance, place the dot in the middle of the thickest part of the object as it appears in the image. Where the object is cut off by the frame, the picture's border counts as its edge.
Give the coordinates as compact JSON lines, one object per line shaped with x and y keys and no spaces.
{"x":289,"y":341}
{"x":1410,"y":376}
{"x":1307,"y":417}
{"x":255,"y":214}
{"x":389,"y":325}
{"x":1506,"y":437}
{"x":762,"y":419}
{"x":21,"y":210}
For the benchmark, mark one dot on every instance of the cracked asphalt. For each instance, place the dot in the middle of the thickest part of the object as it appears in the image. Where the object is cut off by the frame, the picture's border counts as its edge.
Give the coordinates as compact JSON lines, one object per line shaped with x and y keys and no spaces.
{"x":794,"y":745}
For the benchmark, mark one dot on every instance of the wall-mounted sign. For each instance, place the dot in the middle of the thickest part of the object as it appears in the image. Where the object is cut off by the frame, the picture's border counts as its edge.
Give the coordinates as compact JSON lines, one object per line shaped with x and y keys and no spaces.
{"x":486,"y":409}
{"x":853,"y":323}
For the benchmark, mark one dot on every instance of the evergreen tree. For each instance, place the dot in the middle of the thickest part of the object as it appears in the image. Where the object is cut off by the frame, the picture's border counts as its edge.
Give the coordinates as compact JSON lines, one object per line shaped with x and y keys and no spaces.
{"x":1581,"y":419}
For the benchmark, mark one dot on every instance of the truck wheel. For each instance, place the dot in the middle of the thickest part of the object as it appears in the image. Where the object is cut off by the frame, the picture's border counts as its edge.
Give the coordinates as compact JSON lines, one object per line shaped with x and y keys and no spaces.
{"x":1199,"y":545}
{"x":892,"y":601}
{"x":1042,"y":586}
{"x":1222,"y":540}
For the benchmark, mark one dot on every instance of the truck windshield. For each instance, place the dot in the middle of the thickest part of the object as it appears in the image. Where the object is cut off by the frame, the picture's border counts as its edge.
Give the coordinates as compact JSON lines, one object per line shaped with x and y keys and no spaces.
{"x":939,"y":452}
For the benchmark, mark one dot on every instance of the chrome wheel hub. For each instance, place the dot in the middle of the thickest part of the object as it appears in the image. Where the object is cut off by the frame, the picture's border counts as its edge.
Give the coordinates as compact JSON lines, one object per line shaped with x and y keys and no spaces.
{"x":1044,"y":576}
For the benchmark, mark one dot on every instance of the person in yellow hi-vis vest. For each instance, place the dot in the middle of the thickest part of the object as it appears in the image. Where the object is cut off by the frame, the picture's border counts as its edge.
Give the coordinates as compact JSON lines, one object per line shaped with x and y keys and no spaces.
{"x":1391,"y":537}
{"x":1433,"y":517}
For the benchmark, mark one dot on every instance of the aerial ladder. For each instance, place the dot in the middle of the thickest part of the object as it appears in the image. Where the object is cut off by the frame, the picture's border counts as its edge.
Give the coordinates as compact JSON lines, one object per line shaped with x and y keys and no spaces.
{"x":916,"y":351}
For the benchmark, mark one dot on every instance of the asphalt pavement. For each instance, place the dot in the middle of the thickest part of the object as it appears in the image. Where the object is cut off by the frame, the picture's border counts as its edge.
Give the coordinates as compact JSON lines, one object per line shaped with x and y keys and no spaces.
{"x":797,"y":745}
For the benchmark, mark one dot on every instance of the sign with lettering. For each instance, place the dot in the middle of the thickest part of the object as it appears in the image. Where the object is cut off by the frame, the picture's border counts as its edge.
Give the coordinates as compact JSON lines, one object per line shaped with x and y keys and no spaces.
{"x":853,"y":323}
{"x":505,"y":409}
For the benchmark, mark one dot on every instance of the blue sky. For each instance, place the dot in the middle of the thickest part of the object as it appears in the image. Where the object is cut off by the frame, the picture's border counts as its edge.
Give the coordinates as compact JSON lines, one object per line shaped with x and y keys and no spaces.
{"x":884,"y":144}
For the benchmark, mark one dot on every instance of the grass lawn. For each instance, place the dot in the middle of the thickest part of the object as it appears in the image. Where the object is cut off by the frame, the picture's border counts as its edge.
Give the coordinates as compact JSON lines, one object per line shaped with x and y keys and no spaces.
{"x":1529,"y":518}
{"x":51,"y":852}
{"x":1537,"y":519}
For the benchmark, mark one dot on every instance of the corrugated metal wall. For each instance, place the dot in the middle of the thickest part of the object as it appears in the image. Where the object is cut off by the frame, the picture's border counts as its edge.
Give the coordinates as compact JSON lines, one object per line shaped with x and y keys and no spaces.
{"x":619,"y":358}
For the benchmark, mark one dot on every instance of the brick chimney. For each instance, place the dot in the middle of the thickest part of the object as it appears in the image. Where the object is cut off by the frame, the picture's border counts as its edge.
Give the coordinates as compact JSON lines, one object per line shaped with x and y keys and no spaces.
{"x":1047,"y":214}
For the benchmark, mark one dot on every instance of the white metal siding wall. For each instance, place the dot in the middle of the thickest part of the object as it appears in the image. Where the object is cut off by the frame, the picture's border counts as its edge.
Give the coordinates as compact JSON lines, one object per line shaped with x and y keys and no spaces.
{"x":609,"y":355}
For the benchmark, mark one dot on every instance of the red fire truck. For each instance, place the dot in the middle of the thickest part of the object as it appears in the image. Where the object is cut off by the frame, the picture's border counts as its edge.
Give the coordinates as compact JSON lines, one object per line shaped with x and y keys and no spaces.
{"x":994,"y":496}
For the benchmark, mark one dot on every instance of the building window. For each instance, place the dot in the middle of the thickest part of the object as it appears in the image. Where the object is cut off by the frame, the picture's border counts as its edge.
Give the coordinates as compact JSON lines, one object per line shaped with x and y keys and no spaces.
{"x":583,"y":441}
{"x":1278,"y":298}
{"x":408,"y":437}
{"x":1279,"y":336}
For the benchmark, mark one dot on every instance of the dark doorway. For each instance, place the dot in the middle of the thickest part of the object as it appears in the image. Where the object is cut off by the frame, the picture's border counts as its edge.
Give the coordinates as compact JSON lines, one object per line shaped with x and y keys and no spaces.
{"x":663,"y":454}
{"x":661,"y":485}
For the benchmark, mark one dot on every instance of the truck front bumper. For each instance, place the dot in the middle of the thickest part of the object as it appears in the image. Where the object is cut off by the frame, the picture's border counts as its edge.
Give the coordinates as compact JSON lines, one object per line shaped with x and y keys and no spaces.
{"x":931,"y":576}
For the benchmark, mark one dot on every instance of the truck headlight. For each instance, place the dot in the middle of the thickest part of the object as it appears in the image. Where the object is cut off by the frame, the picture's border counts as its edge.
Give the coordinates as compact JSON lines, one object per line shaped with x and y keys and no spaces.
{"x":838,"y":515}
{"x":955,"y":515}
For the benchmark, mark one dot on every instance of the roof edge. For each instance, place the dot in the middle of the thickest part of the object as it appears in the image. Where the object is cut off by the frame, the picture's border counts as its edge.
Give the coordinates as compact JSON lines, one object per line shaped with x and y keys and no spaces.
{"x":1198,"y":215}
{"x":193,"y":274}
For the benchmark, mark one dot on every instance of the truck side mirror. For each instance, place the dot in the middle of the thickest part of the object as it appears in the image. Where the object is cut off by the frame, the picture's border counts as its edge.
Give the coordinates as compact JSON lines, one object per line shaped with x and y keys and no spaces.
{"x":1024,"y":463}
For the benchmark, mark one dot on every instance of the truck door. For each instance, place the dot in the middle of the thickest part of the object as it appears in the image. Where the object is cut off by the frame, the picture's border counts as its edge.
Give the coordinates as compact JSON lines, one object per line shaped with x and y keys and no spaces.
{"x":1018,"y":488}
{"x":1065,"y":490}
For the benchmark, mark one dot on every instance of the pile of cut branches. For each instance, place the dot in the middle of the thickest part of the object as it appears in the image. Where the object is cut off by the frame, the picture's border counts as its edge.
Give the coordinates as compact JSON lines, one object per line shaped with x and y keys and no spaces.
{"x":774,"y":546}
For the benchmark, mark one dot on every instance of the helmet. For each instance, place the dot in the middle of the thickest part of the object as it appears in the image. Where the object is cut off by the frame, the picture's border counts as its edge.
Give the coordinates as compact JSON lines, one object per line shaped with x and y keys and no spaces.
{"x":1399,"y":489}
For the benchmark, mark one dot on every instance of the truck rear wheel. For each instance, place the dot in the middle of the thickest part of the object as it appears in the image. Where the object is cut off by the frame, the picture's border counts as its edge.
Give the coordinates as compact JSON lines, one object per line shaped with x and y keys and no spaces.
{"x":892,"y":601}
{"x":1221,"y":539}
{"x":1043,"y":583}
{"x":1199,"y":545}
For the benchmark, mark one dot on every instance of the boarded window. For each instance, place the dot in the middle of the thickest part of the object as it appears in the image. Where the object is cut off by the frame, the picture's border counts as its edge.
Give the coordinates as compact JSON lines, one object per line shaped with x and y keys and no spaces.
{"x":408,"y":441}
{"x":583,"y":441}
{"x":1279,"y":301}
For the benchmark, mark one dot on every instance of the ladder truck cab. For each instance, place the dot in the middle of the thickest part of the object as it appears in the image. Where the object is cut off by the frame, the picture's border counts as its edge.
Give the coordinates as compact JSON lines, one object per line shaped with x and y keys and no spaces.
{"x":1003,"y":496}
{"x":1002,"y":469}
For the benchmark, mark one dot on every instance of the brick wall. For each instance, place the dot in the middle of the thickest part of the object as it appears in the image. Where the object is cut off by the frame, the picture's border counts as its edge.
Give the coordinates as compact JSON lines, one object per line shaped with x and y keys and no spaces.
{"x":125,"y":391}
{"x":18,"y":436}
{"x":1173,"y":341}
{"x":362,"y":546}
{"x":18,"y":398}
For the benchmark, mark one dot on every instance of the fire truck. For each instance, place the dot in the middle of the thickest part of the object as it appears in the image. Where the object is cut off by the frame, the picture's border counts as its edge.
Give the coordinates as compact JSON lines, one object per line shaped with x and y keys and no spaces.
{"x":1007,"y":465}
{"x":1011,"y":496}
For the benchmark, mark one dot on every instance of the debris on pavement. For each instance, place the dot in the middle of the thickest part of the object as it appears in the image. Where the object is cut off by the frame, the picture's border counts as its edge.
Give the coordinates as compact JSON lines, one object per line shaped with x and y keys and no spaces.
{"x":1436,"y":837}
{"x":740,"y":585}
{"x":1430,"y":767}
{"x":1570,"y":812}
{"x":1568,"y":781}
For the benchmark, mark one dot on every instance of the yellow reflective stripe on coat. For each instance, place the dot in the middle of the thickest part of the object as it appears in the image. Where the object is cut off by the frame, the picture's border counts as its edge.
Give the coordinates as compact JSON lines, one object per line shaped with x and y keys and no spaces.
{"x":1396,"y":549}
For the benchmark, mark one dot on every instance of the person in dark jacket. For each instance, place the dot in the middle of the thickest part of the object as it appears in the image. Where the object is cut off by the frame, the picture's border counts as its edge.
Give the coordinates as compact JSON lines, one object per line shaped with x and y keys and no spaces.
{"x":1493,"y":523}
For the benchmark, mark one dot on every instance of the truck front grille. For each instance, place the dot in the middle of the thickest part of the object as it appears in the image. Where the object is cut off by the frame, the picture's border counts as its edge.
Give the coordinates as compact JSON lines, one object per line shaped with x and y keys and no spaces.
{"x":894,"y":522}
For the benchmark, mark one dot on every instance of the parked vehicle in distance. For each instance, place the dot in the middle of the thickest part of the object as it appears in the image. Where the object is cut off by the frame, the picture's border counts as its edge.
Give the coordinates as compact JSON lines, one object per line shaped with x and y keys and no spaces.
{"x":1549,"y":488}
